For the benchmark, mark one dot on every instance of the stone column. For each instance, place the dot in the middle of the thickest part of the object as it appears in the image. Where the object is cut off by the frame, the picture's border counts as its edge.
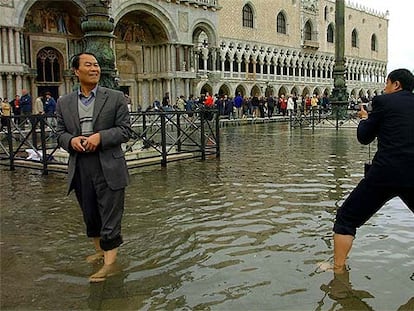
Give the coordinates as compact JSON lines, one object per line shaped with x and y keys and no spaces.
{"x":2,"y":95}
{"x":19,"y":85}
{"x":18,"y":48}
{"x":173,"y":58}
{"x":12,"y":49}
{"x":5,"y":46}
{"x":10,"y":93}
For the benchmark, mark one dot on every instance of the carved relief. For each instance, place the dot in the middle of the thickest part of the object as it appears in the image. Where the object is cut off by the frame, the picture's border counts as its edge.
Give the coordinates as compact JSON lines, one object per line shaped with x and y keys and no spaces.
{"x":183,"y":21}
{"x":7,"y":3}
{"x":310,"y":5}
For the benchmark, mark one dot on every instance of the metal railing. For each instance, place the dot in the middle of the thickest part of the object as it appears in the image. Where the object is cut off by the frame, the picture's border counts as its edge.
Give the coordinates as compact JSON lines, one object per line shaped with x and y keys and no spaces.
{"x":158,"y":138}
{"x":324,"y":117}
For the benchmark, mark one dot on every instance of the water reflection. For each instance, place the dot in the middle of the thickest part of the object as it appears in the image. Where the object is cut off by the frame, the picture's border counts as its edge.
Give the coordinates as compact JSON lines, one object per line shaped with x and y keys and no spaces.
{"x":241,"y":233}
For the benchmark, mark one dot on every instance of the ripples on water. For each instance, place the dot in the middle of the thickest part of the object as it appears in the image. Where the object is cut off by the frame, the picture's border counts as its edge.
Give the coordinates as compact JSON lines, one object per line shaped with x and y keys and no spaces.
{"x":241,"y":233}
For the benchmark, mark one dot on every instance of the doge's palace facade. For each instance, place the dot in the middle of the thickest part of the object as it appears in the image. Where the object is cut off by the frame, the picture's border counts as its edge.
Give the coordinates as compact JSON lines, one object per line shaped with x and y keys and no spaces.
{"x":192,"y":46}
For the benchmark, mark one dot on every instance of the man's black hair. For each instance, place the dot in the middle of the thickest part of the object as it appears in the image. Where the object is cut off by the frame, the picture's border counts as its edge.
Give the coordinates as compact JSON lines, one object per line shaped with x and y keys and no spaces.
{"x":75,"y":59}
{"x":404,"y":76}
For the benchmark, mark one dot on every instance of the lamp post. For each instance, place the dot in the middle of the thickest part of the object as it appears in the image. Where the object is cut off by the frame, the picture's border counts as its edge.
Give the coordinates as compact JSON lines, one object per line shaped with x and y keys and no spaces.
{"x":98,"y":27}
{"x":339,"y":97}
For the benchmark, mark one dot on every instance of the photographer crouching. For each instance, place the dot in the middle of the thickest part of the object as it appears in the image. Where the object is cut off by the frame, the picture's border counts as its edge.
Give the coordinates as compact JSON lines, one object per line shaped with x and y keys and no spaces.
{"x":392,"y":172}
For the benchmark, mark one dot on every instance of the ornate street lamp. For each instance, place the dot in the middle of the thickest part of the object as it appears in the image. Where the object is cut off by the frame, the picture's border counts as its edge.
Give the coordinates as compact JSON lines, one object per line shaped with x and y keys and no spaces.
{"x":98,"y":27}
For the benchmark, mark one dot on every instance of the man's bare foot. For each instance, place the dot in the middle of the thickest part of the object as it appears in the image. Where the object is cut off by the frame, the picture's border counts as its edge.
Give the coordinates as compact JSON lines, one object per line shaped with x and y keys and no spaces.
{"x":98,"y":256}
{"x":105,"y":272}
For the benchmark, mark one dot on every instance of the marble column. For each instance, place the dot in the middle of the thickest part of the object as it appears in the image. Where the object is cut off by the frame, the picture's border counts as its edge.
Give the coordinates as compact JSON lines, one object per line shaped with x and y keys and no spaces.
{"x":5,"y":46}
{"x":12,"y":49}
{"x":18,"y":47}
{"x":10,"y":91}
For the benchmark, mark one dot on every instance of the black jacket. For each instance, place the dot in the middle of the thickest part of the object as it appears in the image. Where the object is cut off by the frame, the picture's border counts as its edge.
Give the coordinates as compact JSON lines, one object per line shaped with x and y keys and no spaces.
{"x":392,"y":122}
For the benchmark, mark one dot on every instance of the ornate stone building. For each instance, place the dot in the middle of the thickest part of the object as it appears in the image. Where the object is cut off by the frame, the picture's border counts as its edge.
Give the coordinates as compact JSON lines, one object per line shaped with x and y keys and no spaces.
{"x":191,"y":46}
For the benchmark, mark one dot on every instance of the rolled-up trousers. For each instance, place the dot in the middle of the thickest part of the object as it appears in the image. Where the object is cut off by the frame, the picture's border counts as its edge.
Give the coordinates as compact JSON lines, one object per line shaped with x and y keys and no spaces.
{"x":101,"y":206}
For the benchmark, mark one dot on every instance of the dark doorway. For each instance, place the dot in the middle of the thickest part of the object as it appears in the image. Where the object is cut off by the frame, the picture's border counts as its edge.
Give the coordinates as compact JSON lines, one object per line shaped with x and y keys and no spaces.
{"x":54,"y":90}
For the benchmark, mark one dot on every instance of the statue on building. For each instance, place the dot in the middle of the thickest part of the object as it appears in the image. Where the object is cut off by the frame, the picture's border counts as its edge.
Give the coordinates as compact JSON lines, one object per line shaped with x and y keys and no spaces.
{"x":310,"y":5}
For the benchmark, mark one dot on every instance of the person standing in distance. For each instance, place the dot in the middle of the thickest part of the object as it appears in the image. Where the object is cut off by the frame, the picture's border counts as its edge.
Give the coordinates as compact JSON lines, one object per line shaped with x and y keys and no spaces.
{"x":92,"y":123}
{"x":392,"y":170}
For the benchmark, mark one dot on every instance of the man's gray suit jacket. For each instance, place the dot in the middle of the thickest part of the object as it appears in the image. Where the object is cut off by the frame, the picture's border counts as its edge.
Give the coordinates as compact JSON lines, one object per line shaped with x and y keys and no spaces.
{"x":111,"y":119}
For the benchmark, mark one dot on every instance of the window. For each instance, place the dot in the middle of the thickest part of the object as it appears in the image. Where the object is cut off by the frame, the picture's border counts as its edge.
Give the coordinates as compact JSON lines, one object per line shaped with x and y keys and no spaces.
{"x":247,"y":16}
{"x":281,"y":23}
{"x":354,"y":38}
{"x":308,"y":31}
{"x":326,"y":13}
{"x":48,"y":66}
{"x":374,"y":43}
{"x":330,"y":33}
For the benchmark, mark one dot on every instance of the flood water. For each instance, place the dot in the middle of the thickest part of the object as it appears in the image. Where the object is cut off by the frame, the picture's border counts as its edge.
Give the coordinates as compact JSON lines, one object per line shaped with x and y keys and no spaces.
{"x":244,"y":232}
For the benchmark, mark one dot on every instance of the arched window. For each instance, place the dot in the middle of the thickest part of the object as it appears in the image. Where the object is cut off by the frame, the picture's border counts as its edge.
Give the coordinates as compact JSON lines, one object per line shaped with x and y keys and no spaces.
{"x":247,"y":16}
{"x":354,"y":39}
{"x":326,"y":13}
{"x":374,"y":43}
{"x":330,"y":33}
{"x":281,"y":23}
{"x":308,"y":31}
{"x":48,"y":65}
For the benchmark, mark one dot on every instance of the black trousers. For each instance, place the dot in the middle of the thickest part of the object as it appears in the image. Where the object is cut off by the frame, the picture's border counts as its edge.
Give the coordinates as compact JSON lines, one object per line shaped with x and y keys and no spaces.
{"x":364,"y":201}
{"x":101,"y":206}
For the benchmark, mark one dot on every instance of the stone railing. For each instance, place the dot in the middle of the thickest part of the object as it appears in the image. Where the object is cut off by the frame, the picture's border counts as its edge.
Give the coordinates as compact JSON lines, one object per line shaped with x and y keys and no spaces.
{"x":202,"y":3}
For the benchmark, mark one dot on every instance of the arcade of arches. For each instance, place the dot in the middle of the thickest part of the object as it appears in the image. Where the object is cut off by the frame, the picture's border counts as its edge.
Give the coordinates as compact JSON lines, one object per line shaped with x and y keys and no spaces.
{"x":152,"y":58}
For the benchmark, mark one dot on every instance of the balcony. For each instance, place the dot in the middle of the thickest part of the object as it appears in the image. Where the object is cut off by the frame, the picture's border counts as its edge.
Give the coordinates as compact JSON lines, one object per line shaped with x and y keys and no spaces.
{"x":310,"y":44}
{"x":205,"y":4}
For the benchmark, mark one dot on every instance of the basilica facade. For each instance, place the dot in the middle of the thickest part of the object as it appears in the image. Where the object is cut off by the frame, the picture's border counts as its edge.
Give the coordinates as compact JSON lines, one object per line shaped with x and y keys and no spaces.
{"x":188,"y":47}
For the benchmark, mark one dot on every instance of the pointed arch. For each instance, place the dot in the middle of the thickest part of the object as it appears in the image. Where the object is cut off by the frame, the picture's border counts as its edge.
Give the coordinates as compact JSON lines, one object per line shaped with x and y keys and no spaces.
{"x":308,"y":30}
{"x":354,"y":38}
{"x":330,"y":33}
{"x":281,"y":23}
{"x":374,"y":43}
{"x":248,"y":16}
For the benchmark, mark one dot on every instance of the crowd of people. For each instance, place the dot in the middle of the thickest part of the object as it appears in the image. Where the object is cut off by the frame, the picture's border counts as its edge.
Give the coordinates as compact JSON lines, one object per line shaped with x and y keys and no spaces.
{"x":257,"y":106}
{"x":21,"y":107}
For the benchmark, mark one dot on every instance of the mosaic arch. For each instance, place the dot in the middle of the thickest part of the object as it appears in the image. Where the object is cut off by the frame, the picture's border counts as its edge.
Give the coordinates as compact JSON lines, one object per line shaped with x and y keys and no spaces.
{"x":70,"y":10}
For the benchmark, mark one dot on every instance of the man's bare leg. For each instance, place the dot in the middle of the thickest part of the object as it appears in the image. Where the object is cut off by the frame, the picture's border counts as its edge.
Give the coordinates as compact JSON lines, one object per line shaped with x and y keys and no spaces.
{"x":109,"y":268}
{"x":99,"y":253}
{"x":342,"y":247}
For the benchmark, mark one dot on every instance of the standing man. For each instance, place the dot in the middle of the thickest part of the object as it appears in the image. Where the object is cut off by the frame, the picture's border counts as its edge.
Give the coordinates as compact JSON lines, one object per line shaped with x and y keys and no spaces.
{"x":392,"y":170}
{"x":17,"y":110}
{"x":26,"y":103}
{"x":92,"y":123}
{"x":38,"y":108}
{"x":50,"y":108}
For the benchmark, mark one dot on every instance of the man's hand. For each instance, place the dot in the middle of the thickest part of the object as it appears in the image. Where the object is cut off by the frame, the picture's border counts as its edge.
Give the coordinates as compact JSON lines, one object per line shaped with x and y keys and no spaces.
{"x":363,"y":114}
{"x":92,"y":142}
{"x":77,"y":143}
